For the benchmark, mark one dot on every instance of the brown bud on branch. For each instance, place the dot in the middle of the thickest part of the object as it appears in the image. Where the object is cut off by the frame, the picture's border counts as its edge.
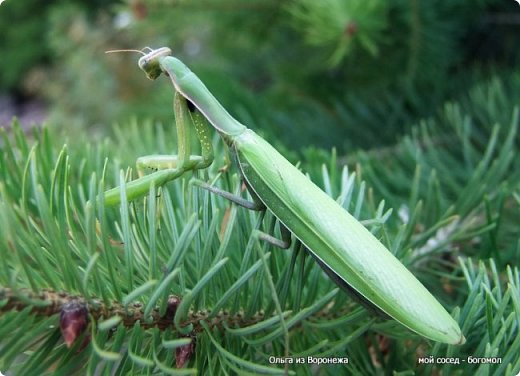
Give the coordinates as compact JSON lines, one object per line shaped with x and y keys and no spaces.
{"x":73,"y":321}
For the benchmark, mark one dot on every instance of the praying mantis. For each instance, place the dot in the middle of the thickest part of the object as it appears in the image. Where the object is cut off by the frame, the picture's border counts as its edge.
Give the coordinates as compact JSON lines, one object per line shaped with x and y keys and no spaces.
{"x":348,"y":253}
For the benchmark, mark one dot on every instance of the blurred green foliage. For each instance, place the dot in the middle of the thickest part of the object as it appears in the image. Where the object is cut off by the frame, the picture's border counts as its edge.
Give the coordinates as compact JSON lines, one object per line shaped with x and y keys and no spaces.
{"x":24,"y":46}
{"x":304,"y":73}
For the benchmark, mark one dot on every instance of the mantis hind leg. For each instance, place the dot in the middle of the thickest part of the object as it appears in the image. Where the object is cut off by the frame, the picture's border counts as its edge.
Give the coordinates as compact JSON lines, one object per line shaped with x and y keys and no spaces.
{"x":283,"y":243}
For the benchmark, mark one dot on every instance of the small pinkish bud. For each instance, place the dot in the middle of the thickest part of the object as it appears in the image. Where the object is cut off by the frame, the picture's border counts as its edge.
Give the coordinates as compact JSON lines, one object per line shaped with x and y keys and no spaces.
{"x":171,"y":308}
{"x":351,"y":29}
{"x":73,"y":321}
{"x":183,"y":353}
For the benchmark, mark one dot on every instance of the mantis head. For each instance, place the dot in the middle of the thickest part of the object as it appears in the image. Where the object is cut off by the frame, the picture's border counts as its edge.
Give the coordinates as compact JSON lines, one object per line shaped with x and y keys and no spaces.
{"x":149,"y":63}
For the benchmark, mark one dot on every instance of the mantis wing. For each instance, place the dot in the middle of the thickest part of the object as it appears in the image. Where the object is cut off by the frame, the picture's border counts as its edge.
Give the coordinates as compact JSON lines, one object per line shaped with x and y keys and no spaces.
{"x":340,"y":242}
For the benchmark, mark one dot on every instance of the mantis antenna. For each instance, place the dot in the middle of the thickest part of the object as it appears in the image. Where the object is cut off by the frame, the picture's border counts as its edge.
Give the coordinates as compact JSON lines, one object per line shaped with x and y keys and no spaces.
{"x":139,"y":51}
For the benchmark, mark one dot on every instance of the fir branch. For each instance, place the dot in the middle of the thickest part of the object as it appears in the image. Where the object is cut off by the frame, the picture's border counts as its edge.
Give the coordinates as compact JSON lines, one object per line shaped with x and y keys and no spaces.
{"x":48,"y":303}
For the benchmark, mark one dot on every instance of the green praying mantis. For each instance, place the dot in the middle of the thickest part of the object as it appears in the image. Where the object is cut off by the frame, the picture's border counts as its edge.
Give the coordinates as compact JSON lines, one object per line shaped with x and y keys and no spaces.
{"x":348,"y":253}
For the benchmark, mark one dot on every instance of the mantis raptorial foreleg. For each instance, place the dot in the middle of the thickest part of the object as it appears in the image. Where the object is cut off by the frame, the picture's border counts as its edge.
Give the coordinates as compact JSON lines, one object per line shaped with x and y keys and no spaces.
{"x":171,"y":167}
{"x":186,"y":117}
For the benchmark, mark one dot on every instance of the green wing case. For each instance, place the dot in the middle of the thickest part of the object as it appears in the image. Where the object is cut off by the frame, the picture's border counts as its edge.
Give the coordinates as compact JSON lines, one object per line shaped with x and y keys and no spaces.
{"x":340,"y":241}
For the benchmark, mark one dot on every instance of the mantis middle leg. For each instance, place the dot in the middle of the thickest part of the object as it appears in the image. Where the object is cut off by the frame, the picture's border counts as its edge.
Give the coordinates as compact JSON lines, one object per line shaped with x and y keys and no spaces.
{"x":257,"y":205}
